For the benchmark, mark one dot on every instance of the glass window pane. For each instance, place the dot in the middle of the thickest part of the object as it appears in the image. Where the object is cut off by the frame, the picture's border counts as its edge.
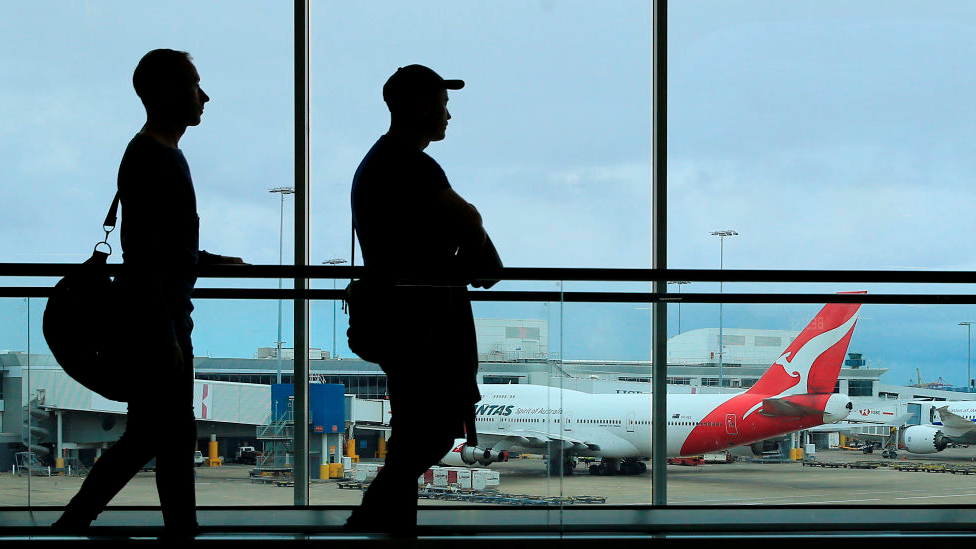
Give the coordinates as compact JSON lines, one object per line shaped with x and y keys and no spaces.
{"x":70,"y":96}
{"x":18,"y":438}
{"x":898,"y":368}
{"x":817,"y":131}
{"x":550,"y":138}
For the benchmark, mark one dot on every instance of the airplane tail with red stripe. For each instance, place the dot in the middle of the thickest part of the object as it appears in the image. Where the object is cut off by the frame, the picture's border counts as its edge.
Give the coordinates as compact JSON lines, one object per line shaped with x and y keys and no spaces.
{"x":796,"y":392}
{"x":812,"y":362}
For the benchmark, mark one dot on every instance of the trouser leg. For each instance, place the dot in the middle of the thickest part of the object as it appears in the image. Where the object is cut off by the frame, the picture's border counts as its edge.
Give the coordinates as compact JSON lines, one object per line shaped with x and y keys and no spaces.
{"x":174,"y":459}
{"x":108,"y":476}
{"x":390,"y":502}
{"x":159,"y":424}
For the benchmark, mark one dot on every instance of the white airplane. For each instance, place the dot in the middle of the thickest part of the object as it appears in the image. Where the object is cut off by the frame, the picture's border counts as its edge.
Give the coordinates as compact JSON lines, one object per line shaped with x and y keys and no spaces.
{"x":947,"y":422}
{"x":795,"y":393}
{"x":867,"y":416}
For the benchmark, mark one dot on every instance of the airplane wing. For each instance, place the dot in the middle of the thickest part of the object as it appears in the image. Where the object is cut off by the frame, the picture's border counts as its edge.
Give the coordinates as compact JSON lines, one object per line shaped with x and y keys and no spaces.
{"x":786,"y":408}
{"x":954,"y":421}
{"x":534,"y":439}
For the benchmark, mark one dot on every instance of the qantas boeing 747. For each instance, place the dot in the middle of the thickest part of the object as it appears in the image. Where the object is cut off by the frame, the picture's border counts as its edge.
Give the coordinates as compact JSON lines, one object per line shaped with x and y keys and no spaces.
{"x":795,"y":393}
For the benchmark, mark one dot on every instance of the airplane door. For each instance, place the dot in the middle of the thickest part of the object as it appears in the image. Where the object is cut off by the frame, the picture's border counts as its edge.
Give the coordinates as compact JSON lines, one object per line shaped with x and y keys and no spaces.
{"x":503,"y":422}
{"x":631,"y":418}
{"x":568,"y":421}
{"x":730,"y":427}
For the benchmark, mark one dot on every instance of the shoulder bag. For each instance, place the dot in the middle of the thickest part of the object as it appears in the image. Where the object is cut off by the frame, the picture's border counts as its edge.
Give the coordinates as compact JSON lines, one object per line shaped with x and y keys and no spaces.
{"x":369,"y":304}
{"x":78,"y":321}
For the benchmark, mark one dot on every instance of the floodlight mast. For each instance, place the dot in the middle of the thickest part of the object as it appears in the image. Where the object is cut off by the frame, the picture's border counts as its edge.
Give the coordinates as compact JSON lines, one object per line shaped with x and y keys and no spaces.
{"x":721,"y":262}
{"x":334,"y":261}
{"x":679,"y":283}
{"x":281,"y":231}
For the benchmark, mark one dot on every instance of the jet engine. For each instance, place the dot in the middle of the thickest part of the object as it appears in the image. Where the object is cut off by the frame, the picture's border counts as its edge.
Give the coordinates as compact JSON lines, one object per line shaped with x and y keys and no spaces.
{"x":925,"y":439}
{"x":764,"y":447}
{"x":464,"y":455}
{"x":472,"y":455}
{"x":837,"y":408}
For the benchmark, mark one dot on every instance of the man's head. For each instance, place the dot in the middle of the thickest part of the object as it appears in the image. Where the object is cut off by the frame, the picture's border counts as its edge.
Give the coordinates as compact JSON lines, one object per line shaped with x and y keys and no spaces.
{"x":169,"y":86}
{"x":417,"y":98}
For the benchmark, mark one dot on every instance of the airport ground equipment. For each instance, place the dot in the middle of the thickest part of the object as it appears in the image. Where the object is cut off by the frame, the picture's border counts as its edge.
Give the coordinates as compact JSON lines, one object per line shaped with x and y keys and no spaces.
{"x":860,"y":464}
{"x":453,"y":493}
{"x":74,"y":467}
{"x":28,"y":462}
{"x":247,"y":455}
{"x":687,"y":461}
{"x":278,"y":437}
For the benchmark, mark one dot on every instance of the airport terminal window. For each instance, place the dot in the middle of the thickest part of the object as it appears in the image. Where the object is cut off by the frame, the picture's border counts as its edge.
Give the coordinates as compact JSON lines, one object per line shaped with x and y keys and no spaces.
{"x":66,"y":161}
{"x":705,"y":36}
{"x":860,"y":387}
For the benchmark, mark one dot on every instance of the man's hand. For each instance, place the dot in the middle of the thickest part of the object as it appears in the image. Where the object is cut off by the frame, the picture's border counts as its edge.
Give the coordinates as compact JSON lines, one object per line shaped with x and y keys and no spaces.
{"x":228,"y":260}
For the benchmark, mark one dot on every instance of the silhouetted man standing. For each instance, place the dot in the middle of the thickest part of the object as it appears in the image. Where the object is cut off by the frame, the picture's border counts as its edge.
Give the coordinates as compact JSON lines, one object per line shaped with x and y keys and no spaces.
{"x":160,"y":238}
{"x":407,"y":215}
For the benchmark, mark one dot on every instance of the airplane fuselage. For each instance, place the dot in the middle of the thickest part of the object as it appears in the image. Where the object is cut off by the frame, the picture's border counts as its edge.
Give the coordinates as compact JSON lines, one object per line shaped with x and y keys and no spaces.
{"x":523,"y":417}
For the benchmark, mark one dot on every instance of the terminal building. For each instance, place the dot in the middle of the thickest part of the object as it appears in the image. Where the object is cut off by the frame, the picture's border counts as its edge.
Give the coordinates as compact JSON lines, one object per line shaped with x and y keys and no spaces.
{"x":43,"y":409}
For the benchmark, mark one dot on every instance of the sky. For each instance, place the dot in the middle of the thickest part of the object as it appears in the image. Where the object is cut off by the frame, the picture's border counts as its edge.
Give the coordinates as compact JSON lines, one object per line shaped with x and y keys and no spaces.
{"x":828,"y":134}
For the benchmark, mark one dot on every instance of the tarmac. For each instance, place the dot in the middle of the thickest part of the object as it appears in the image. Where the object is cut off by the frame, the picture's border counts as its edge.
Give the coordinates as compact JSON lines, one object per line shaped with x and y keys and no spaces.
{"x":831,"y":477}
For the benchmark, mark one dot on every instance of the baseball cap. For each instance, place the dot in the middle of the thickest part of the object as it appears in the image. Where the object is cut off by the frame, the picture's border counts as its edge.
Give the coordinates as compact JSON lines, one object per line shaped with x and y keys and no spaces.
{"x":413,"y":80}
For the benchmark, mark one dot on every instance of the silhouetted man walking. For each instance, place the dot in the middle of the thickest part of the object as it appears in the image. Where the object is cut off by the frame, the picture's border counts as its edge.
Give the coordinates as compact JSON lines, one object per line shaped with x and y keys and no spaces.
{"x":160,"y":238}
{"x":407,"y":215}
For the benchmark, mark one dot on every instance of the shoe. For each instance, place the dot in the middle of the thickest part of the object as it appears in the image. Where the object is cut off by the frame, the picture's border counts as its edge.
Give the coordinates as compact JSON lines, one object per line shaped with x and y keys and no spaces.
{"x":67,"y":526}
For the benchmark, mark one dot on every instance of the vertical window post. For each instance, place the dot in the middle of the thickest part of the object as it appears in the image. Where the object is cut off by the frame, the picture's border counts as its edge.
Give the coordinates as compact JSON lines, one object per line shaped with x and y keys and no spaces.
{"x":659,"y":252}
{"x":300,"y":376}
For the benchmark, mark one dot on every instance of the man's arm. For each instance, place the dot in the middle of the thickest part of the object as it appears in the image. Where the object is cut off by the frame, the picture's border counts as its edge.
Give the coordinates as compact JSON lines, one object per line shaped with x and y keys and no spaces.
{"x":475,"y":249}
{"x":206,"y":258}
{"x":462,"y":217}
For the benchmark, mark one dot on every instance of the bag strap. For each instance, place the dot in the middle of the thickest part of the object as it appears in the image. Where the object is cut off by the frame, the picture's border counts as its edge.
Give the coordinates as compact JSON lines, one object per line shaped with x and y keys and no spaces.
{"x":111,"y":218}
{"x":112,"y":215}
{"x":352,"y":252}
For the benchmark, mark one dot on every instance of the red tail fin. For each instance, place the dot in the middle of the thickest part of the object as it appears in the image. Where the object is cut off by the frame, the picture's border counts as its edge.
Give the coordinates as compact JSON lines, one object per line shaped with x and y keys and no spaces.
{"x":812,"y":362}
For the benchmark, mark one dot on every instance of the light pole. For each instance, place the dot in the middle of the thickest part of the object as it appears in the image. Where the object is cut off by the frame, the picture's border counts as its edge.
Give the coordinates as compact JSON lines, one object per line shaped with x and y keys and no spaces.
{"x":281,"y":232}
{"x":721,"y":264}
{"x":334,"y":261}
{"x":969,"y":351}
{"x":679,"y":283}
